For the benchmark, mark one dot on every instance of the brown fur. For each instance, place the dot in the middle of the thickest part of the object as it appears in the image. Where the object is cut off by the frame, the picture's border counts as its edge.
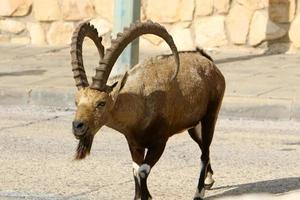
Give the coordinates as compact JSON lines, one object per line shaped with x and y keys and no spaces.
{"x":146,"y":106}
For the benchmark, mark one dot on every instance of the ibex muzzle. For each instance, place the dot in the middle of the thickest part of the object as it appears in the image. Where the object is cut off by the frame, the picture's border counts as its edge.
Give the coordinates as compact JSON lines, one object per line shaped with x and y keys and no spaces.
{"x":79,"y":128}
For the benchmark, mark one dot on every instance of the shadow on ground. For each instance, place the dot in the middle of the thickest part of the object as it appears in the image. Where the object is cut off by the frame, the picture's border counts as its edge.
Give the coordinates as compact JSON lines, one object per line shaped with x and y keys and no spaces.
{"x":275,"y":186}
{"x":241,"y":58}
{"x":24,"y":73}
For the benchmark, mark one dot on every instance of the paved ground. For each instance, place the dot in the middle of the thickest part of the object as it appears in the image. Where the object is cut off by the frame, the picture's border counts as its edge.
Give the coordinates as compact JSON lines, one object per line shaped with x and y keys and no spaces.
{"x":248,"y":157}
{"x":259,"y":86}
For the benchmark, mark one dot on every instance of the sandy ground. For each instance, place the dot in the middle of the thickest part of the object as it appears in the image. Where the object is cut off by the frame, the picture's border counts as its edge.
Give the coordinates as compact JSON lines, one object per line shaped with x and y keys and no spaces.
{"x":248,"y":157}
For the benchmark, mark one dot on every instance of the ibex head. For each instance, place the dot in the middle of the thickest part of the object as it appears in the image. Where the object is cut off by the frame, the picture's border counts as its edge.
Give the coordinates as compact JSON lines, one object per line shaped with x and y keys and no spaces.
{"x":94,"y":102}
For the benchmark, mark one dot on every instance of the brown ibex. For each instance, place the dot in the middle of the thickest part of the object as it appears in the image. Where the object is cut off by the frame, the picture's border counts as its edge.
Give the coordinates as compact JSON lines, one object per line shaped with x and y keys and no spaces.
{"x":150,"y":103}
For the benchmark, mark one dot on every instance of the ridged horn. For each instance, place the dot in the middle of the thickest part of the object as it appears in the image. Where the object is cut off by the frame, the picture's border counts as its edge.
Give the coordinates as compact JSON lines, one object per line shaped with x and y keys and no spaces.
{"x":83,"y":30}
{"x":123,"y":39}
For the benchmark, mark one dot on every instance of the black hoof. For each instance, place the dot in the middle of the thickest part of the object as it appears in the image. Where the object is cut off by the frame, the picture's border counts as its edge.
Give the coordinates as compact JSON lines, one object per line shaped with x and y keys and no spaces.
{"x":208,"y":186}
{"x":198,"y":198}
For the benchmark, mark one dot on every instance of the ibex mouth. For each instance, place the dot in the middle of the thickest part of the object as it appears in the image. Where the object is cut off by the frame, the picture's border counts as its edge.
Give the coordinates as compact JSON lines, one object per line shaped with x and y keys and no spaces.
{"x":84,"y":146}
{"x":82,"y":134}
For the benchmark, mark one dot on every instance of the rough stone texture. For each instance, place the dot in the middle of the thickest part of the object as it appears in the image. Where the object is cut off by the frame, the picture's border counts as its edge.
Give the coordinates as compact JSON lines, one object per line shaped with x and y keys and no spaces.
{"x":20,"y":40}
{"x":238,"y":22}
{"x":11,"y":26}
{"x":204,"y":7}
{"x":262,"y":28}
{"x":4,"y":38}
{"x":168,"y":14}
{"x":77,"y":9}
{"x":60,"y":33}
{"x":254,"y":4}
{"x":242,"y":25}
{"x":153,"y":39}
{"x":15,"y":7}
{"x":37,"y":33}
{"x":295,"y":32}
{"x":104,"y":29}
{"x":104,"y":8}
{"x":103,"y":26}
{"x":143,"y":10}
{"x":23,"y":9}
{"x":210,"y":31}
{"x":282,"y":10}
{"x":186,"y":10}
{"x":173,"y":10}
{"x":46,"y":10}
{"x":222,"y":6}
{"x":182,"y":38}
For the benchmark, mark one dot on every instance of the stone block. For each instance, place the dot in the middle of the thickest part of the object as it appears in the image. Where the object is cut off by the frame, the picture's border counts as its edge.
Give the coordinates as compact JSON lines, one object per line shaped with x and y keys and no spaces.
{"x":104,"y":8}
{"x":254,"y":4}
{"x":222,"y":6}
{"x":262,"y":28}
{"x":77,"y":9}
{"x":169,"y":14}
{"x":294,"y":32}
{"x":153,"y":39}
{"x":4,"y":38}
{"x":173,"y":10}
{"x":210,"y":31}
{"x":46,"y":10}
{"x":204,"y":7}
{"x":238,"y":22}
{"x":37,"y":33}
{"x":183,"y":38}
{"x":103,"y":26}
{"x":60,"y":33}
{"x":20,"y":40}
{"x":186,"y":10}
{"x":104,"y":29}
{"x":15,"y":7}
{"x":282,"y":10}
{"x":11,"y":26}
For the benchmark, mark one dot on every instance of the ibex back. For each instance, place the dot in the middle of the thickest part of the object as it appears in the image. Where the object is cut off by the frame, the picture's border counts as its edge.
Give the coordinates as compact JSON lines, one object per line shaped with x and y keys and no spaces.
{"x":150,"y":103}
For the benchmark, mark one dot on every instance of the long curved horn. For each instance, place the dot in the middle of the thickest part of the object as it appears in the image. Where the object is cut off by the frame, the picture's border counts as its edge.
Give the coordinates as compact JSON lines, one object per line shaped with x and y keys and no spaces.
{"x":123,"y":39}
{"x":83,"y":30}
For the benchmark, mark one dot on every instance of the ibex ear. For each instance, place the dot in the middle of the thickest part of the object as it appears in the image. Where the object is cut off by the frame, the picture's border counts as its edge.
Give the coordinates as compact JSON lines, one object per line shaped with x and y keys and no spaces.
{"x":119,"y":87}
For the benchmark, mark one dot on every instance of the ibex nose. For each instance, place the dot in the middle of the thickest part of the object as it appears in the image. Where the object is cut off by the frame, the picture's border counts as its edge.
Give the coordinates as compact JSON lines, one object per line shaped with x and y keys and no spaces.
{"x":79,"y":128}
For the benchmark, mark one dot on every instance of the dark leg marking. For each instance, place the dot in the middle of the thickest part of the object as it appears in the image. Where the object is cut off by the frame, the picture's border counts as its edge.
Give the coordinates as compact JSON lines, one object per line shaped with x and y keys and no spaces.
{"x":202,"y":135}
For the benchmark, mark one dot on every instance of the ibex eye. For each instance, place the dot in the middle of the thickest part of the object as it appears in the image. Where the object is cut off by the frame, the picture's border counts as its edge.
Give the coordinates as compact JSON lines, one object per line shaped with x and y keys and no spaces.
{"x":101,"y":104}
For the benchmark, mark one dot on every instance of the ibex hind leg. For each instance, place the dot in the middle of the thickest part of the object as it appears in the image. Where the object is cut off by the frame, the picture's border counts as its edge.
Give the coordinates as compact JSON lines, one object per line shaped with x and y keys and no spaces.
{"x":203,"y":134}
{"x":137,"y":155}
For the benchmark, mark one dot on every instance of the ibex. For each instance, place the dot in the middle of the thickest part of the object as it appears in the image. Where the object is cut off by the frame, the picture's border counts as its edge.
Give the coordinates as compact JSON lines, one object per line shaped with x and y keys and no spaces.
{"x":150,"y":103}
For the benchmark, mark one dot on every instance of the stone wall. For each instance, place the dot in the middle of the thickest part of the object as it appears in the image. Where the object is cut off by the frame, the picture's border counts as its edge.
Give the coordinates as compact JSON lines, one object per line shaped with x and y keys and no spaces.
{"x":205,"y":23}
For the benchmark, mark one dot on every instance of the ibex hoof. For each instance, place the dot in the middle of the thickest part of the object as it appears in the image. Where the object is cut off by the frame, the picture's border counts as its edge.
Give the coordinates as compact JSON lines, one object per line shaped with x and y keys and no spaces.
{"x":209,"y":186}
{"x":198,"y":198}
{"x":209,"y":181}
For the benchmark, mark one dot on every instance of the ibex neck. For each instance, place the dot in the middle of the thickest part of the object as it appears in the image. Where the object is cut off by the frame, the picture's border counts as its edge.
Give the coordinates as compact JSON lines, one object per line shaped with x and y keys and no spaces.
{"x":124,"y":116}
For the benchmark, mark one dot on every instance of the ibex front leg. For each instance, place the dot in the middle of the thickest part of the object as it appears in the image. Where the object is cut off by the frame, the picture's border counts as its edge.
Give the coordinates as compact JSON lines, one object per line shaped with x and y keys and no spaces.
{"x":142,"y":170}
